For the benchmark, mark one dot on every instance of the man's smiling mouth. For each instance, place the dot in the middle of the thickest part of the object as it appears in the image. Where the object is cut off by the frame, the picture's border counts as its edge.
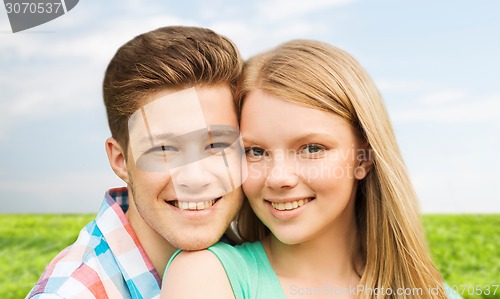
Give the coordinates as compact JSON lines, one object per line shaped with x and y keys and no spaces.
{"x":194,"y":205}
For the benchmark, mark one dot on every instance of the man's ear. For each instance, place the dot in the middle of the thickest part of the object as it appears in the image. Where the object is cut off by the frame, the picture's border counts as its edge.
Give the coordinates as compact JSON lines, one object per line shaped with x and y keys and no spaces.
{"x":117,"y":159}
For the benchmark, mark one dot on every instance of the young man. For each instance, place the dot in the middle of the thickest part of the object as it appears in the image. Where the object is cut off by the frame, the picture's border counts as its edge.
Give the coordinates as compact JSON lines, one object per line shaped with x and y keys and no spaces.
{"x":175,"y":142}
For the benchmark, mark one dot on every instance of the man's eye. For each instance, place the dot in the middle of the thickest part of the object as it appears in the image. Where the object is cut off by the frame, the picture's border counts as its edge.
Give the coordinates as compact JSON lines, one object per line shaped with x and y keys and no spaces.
{"x":254,"y":152}
{"x":312,"y":149}
{"x":162,"y":148}
{"x":218,"y":146}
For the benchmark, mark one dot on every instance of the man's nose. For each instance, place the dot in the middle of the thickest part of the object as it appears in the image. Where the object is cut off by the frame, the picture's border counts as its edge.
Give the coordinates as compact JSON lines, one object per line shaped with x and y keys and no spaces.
{"x":191,"y":178}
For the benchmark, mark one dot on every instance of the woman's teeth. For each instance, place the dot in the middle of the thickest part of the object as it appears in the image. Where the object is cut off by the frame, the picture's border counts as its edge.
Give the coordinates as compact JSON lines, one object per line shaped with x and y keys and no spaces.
{"x":282,"y":206}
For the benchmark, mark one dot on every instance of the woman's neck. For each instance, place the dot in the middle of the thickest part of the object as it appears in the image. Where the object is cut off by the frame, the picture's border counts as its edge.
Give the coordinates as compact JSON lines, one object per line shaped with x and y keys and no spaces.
{"x":328,"y":260}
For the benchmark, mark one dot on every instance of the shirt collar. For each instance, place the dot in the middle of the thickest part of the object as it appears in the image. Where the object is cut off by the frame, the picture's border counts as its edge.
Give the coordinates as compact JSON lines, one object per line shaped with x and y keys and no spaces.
{"x":135,"y":265}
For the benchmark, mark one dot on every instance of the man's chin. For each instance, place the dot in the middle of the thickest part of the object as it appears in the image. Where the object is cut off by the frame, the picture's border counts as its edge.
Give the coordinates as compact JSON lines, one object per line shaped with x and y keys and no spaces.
{"x":194,"y":244}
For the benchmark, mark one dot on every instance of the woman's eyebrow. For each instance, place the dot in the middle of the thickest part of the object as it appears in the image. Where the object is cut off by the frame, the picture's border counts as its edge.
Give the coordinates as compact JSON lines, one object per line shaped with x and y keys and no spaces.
{"x":250,"y":140}
{"x":321,"y":136}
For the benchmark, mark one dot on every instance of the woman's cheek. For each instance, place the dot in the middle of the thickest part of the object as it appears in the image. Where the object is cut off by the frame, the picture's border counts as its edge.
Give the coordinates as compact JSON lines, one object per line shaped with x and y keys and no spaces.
{"x":255,"y":179}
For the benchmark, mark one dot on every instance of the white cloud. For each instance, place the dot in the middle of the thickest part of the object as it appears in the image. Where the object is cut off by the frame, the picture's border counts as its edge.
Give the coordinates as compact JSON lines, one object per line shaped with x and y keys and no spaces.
{"x":50,"y":91}
{"x":466,"y":191}
{"x":68,"y":193}
{"x":451,"y":107}
{"x":390,"y":85}
{"x":68,"y":69}
{"x":253,"y":38}
{"x":97,"y":44}
{"x":281,"y":9}
{"x":443,"y":97}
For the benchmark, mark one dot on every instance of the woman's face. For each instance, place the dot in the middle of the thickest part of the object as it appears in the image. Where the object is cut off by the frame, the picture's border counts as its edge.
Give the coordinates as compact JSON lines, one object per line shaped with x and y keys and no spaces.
{"x":301,"y":168}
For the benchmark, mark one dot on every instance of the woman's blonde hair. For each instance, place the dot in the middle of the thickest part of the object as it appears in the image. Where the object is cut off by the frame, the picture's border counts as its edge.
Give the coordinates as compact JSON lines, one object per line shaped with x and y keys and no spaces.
{"x":392,"y":245}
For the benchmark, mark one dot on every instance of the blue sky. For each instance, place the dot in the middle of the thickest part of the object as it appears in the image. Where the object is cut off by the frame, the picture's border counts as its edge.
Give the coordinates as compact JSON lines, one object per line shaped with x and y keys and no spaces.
{"x":435,"y":62}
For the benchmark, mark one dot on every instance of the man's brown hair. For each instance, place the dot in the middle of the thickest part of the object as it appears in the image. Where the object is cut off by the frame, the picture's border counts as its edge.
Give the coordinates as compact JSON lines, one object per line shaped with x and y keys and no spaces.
{"x":168,"y":57}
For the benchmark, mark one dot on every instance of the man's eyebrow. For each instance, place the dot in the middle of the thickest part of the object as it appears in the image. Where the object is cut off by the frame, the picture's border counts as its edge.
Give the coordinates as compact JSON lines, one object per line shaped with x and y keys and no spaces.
{"x":213,"y":132}
{"x":222,"y":131}
{"x":161,"y":136}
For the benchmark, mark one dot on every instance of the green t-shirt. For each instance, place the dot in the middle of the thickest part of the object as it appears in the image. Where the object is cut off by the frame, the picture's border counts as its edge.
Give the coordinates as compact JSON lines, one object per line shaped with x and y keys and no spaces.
{"x":252,"y":277}
{"x":249,"y":271}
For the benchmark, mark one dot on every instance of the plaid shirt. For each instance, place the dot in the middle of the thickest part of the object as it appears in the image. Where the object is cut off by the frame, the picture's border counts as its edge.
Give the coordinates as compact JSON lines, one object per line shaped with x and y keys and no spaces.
{"x":106,"y":261}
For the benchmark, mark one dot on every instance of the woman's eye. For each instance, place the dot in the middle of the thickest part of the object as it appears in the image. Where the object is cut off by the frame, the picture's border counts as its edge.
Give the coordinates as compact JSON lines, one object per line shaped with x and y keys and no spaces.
{"x":254,"y":152}
{"x":312,"y":149}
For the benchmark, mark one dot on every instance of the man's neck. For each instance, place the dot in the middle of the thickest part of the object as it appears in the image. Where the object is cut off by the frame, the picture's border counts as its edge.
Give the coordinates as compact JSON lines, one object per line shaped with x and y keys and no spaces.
{"x":156,"y":247}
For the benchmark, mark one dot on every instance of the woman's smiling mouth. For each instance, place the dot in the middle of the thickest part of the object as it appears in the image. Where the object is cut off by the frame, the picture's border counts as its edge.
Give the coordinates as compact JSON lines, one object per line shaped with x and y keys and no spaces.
{"x":290,"y":205}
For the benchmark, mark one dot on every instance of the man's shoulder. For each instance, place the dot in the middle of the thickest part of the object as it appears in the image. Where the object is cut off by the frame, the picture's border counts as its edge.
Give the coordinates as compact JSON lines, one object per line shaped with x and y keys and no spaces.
{"x":106,"y":261}
{"x":80,"y":268}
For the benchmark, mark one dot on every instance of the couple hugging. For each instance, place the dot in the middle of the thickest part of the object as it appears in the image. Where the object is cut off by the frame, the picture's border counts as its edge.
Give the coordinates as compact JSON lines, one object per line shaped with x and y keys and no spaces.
{"x":277,"y":177}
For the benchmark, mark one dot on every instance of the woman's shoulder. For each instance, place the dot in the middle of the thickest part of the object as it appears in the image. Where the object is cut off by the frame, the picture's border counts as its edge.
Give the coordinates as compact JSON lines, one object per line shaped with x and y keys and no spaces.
{"x":221,"y":271}
{"x":202,"y":267}
{"x":243,"y":251}
{"x":240,"y":261}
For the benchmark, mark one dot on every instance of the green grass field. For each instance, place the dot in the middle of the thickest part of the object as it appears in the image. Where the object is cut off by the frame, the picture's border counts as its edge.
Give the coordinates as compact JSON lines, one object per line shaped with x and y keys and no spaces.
{"x":466,"y":249}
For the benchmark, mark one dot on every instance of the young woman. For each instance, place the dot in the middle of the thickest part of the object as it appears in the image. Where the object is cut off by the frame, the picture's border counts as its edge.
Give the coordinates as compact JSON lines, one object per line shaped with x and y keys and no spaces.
{"x":331,"y":212}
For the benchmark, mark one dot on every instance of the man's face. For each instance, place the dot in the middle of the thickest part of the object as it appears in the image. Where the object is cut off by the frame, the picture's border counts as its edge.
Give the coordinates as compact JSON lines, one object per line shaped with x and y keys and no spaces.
{"x":185,"y":164}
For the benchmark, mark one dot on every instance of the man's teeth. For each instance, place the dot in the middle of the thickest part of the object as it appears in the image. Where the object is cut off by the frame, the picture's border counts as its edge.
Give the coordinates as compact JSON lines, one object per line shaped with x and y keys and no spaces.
{"x":283,"y":206}
{"x":193,"y":205}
